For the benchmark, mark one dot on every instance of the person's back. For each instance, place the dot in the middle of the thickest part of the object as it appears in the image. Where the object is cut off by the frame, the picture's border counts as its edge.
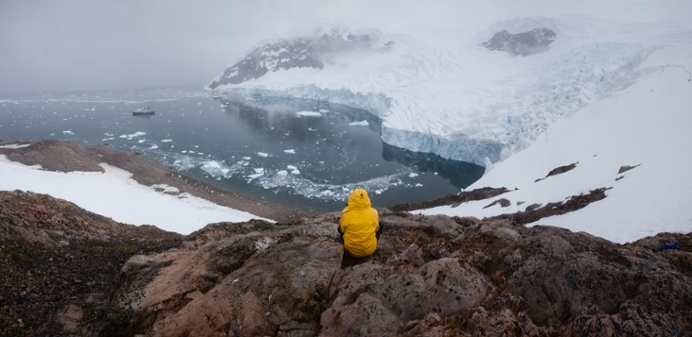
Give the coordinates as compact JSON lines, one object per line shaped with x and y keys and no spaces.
{"x":359,"y":225}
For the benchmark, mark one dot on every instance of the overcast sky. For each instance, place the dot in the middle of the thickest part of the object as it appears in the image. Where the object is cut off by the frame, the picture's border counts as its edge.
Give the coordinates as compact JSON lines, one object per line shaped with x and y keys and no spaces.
{"x":112,"y":44}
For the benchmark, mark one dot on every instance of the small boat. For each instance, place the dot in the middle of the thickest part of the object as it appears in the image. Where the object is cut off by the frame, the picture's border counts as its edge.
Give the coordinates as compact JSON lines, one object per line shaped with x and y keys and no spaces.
{"x":143,"y":112}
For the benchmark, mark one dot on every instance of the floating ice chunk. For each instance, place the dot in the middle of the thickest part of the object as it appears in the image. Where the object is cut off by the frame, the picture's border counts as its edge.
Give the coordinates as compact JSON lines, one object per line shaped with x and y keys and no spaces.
{"x":324,"y":110}
{"x":215,"y":168}
{"x":247,"y":158}
{"x":361,"y":123}
{"x":412,"y":175}
{"x":141,"y":141}
{"x":68,"y":132}
{"x":418,"y":185}
{"x":263,"y":154}
{"x":255,"y":176}
{"x":166,"y":140}
{"x":133,"y":135}
{"x":291,"y":151}
{"x":294,"y":170}
{"x":282,"y":173}
{"x":258,"y":173}
{"x":153,"y":147}
{"x":308,"y":114}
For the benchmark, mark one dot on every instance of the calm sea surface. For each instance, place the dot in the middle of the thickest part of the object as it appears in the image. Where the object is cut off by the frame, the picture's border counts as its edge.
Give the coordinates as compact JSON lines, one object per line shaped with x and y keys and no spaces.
{"x":298,"y":153}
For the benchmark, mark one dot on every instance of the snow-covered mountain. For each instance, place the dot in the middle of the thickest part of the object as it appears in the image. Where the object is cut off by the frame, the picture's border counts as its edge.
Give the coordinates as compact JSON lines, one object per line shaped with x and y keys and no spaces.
{"x":476,"y":100}
{"x":522,"y":97}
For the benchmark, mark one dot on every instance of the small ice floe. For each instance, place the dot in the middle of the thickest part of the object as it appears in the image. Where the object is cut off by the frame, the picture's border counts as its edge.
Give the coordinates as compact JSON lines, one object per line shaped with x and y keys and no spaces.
{"x":282,"y":173}
{"x":293,"y":169}
{"x":263,"y":154}
{"x":308,"y":114}
{"x":324,"y":110}
{"x":326,"y":193}
{"x":68,"y":132}
{"x":412,"y":175}
{"x":153,"y":147}
{"x":133,"y":135}
{"x":291,"y":151}
{"x":418,"y":185}
{"x":361,"y":123}
{"x":141,"y":141}
{"x":215,"y":169}
{"x":258,"y":173}
{"x":166,"y":140}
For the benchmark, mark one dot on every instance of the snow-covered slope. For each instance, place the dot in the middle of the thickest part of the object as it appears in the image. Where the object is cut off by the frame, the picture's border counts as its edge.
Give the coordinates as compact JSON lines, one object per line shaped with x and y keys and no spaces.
{"x":116,"y":195}
{"x":477,"y":100}
{"x":647,"y":127}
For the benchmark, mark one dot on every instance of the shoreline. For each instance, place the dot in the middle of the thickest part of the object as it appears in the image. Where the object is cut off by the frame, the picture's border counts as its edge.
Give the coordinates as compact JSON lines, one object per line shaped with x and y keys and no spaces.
{"x":62,"y":156}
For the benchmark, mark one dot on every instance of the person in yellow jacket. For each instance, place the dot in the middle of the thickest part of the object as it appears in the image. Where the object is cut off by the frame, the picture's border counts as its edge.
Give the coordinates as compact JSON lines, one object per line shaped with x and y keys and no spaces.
{"x":359,"y":225}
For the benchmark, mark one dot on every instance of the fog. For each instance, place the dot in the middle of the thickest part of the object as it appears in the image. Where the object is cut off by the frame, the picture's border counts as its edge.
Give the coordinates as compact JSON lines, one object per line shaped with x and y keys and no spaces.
{"x":116,"y":44}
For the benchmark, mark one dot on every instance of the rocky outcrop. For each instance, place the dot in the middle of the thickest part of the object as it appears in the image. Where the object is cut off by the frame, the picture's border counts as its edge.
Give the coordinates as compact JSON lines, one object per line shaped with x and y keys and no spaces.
{"x":431,"y":276}
{"x":303,"y":52}
{"x":68,"y":272}
{"x":522,"y":44}
{"x":61,"y":263}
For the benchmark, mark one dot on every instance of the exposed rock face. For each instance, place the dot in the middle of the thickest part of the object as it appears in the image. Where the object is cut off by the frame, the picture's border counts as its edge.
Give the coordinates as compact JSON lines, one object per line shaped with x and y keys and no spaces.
{"x":304,"y":52}
{"x":68,"y":272}
{"x":522,"y":44}
{"x":60,"y":264}
{"x":431,"y":276}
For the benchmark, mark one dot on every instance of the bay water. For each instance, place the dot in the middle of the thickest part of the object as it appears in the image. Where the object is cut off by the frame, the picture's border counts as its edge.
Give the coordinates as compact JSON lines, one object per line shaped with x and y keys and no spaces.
{"x":297,"y":153}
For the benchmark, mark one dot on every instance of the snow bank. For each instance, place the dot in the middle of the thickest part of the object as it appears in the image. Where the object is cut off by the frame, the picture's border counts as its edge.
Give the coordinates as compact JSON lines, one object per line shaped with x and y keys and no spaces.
{"x":114,"y":194}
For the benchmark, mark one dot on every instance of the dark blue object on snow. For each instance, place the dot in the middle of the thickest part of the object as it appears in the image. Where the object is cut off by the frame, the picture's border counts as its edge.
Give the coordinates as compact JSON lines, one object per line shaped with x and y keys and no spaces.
{"x":669,"y":245}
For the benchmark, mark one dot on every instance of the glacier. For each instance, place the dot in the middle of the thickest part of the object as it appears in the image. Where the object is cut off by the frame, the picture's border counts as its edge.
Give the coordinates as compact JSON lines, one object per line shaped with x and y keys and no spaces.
{"x":461,"y":100}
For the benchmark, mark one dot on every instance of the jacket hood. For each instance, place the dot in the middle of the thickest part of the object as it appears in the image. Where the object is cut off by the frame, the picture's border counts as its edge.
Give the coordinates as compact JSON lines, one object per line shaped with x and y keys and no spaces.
{"x":358,"y":199}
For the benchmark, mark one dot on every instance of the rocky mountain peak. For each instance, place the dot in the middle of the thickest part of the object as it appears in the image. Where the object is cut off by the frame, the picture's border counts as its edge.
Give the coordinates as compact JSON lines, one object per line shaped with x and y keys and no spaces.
{"x":300,"y":52}
{"x":522,"y":44}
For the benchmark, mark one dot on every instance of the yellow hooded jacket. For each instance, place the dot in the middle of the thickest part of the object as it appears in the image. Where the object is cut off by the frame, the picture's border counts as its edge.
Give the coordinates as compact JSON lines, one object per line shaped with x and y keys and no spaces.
{"x":359,"y":222}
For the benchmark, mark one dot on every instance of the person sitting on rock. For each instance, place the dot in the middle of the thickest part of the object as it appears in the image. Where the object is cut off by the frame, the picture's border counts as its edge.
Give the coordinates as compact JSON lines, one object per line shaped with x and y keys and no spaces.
{"x":359,"y":225}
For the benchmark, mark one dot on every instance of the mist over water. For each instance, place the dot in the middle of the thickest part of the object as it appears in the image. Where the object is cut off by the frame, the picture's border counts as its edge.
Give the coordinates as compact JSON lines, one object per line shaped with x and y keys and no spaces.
{"x":299,"y":153}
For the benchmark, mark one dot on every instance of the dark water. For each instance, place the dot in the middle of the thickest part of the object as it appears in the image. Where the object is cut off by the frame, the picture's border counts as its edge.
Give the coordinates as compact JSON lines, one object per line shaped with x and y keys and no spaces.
{"x":298,"y":153}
